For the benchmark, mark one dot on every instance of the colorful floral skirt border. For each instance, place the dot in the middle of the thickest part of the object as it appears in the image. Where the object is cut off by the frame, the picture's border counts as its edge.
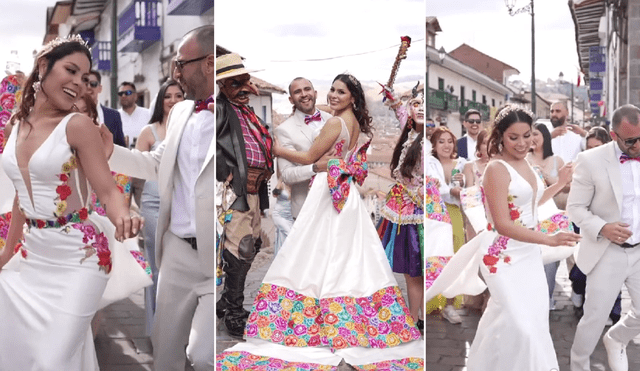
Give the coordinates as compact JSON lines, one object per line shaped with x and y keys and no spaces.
{"x":435,"y":265}
{"x":283,"y":316}
{"x":237,"y":361}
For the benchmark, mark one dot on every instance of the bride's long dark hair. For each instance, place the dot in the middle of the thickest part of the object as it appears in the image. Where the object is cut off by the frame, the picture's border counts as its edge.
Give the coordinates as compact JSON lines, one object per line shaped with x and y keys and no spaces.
{"x":56,"y":53}
{"x":359,"y":105}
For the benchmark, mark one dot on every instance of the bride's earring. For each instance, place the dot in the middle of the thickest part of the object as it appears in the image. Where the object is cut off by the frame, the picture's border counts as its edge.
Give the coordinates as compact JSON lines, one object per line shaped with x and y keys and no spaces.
{"x":36,"y":85}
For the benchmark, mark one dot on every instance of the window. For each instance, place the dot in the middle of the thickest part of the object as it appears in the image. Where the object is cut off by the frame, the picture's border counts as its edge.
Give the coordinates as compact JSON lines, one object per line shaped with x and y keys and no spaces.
{"x":484,"y":99}
{"x":461,"y":95}
{"x":473,"y":95}
{"x":440,"y":83}
{"x":493,"y":102}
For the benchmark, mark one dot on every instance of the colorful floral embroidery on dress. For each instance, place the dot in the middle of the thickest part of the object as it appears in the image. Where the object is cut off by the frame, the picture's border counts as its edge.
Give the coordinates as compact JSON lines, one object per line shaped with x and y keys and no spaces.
{"x":341,"y":173}
{"x":495,"y":253}
{"x":283,"y":316}
{"x":123,"y":183}
{"x":238,"y":361}
{"x":558,"y":222}
{"x":435,"y":265}
{"x":96,"y":244}
{"x":5,"y":222}
{"x":434,"y":205}
{"x":63,"y":190}
{"x":75,"y":217}
{"x":395,"y":365}
{"x":142,"y":261}
{"x":338,"y":147}
{"x":21,"y":249}
{"x":514,"y":211}
{"x":403,"y":205}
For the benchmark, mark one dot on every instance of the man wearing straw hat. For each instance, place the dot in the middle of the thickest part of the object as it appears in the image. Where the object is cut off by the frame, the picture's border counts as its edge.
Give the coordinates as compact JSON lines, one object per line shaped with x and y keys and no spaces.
{"x":185,"y":238}
{"x":243,"y":157}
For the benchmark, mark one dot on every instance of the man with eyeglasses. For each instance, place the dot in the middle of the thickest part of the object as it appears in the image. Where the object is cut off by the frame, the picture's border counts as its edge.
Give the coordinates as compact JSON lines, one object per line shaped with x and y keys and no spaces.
{"x":134,"y":118}
{"x":604,"y":202}
{"x":184,"y":324}
{"x":106,"y":115}
{"x":467,"y":144}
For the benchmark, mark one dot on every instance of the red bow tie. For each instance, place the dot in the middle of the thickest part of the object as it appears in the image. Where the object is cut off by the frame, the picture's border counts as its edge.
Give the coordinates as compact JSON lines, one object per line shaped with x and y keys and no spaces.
{"x":203,"y":104}
{"x":315,"y":117}
{"x":624,"y":158}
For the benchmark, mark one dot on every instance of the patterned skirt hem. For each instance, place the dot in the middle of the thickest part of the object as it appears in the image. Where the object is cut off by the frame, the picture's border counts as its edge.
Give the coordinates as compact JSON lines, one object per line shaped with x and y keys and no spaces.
{"x":283,"y":316}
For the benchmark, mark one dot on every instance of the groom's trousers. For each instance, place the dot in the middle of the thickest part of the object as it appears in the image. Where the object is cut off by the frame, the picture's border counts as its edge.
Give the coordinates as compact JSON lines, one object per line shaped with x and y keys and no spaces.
{"x":616,"y":266}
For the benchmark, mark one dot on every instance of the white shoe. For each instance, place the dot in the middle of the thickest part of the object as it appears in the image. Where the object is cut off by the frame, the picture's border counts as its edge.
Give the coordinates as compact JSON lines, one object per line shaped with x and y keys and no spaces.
{"x":450,"y":314}
{"x":616,"y":353}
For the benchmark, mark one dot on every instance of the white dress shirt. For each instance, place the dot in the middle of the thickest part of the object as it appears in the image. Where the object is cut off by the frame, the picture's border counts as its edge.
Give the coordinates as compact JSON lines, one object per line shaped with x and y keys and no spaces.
{"x":630,"y":213}
{"x":566,"y":146}
{"x":133,"y":124}
{"x":192,"y":151}
{"x":471,"y":148}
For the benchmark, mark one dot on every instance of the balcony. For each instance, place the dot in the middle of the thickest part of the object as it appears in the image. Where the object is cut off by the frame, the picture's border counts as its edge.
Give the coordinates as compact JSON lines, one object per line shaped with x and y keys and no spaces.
{"x":101,"y":54}
{"x":188,"y":7}
{"x":440,"y":99}
{"x":138,"y":26}
{"x":485,"y":111}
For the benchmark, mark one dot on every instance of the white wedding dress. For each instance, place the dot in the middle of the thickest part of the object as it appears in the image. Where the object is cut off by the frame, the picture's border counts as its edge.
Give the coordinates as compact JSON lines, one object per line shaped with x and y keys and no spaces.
{"x":330,"y":293}
{"x":66,"y":269}
{"x":513,"y":333}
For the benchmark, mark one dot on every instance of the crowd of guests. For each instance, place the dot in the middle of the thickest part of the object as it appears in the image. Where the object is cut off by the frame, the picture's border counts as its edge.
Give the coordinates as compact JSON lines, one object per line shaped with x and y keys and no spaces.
{"x":563,"y":156}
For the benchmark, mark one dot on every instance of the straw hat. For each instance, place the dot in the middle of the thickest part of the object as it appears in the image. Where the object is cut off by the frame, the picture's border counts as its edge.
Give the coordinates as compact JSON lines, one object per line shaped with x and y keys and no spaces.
{"x":230,"y":65}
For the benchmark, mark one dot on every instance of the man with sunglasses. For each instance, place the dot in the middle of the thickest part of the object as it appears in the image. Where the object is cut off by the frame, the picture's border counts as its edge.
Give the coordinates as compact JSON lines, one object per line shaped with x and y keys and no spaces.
{"x":134,"y":118}
{"x":183,"y":164}
{"x":106,"y":115}
{"x":604,"y":202}
{"x":467,"y":144}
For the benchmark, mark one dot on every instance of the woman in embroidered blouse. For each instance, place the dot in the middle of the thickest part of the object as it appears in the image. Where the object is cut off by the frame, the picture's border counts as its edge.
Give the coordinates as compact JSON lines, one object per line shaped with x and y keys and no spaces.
{"x":473,"y":170}
{"x":401,"y":227}
{"x":52,"y":289}
{"x":444,"y":149}
{"x":330,"y":295}
{"x":513,"y":333}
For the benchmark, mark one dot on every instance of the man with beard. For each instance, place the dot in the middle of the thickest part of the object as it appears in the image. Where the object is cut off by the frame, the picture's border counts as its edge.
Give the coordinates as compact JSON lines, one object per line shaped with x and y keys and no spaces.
{"x":244,"y":160}
{"x":467,"y":144}
{"x":566,"y":139}
{"x":297,"y":133}
{"x":185,"y":236}
{"x":604,"y":202}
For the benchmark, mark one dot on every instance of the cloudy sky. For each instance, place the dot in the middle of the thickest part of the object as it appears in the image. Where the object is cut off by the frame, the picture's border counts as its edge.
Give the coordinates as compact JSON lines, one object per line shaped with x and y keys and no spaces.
{"x":280,"y":37}
{"x":22,"y":29}
{"x":488,"y":27}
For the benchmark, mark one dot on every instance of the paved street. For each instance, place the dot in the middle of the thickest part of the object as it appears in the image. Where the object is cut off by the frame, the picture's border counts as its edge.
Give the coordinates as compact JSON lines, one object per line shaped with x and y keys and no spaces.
{"x":448,"y":345}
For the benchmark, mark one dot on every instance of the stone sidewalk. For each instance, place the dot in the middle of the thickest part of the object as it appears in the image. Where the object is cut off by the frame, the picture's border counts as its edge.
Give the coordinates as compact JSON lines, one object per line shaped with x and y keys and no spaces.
{"x":448,"y":345}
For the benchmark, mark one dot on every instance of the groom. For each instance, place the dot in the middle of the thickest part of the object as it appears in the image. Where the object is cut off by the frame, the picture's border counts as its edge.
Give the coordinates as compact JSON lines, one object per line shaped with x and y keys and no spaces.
{"x":297,"y":133}
{"x":606,"y":207}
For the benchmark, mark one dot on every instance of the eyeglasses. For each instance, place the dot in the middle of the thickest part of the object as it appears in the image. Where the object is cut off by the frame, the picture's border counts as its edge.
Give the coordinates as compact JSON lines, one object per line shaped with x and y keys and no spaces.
{"x":430,"y":124}
{"x":126,"y":92}
{"x":474,"y":121}
{"x":181,"y":64}
{"x":628,"y":142}
{"x":93,"y":83}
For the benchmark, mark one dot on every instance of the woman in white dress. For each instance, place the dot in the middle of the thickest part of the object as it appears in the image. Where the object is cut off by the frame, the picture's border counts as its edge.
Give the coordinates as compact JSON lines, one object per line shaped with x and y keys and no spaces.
{"x":513,"y":333}
{"x":330,"y":294}
{"x":58,"y":277}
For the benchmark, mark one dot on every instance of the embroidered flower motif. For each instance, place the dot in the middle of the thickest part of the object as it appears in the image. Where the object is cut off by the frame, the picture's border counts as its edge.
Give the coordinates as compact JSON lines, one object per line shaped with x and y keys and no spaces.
{"x":96,"y":244}
{"x":20,"y":249}
{"x":514,"y":211}
{"x":338,"y":148}
{"x":63,"y":190}
{"x":495,"y":253}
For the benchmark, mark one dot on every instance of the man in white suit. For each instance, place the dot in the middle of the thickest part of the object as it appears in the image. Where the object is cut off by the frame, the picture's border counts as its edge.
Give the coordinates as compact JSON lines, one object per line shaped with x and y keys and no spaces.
{"x":185,"y":237}
{"x":297,"y":133}
{"x":604,"y":202}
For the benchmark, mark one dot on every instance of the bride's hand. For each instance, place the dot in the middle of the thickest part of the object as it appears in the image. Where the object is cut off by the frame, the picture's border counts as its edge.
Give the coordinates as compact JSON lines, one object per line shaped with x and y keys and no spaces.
{"x":565,"y":174}
{"x":128,"y":226}
{"x":564,"y":239}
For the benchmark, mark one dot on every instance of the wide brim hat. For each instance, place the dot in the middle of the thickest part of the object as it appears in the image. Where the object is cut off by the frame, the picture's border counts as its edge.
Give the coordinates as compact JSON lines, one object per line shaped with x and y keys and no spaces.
{"x":230,"y":65}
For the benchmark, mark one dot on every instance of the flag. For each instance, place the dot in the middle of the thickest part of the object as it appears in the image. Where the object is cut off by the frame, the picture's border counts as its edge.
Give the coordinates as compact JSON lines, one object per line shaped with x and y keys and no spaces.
{"x":578,"y":84}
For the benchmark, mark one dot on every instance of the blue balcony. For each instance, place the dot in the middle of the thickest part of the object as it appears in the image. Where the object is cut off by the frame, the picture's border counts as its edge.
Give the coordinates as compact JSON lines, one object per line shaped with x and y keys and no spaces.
{"x":138,"y":26}
{"x":101,"y":53}
{"x":188,"y":7}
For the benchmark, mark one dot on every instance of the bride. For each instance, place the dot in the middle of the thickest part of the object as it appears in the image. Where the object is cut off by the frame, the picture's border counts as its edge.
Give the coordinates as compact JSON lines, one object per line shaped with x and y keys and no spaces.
{"x":330,"y":293}
{"x":513,"y":333}
{"x":59,"y":273}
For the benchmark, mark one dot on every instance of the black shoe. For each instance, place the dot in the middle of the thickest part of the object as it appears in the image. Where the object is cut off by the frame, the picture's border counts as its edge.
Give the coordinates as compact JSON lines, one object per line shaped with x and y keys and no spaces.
{"x":420,"y":325}
{"x":235,"y":326}
{"x":221,"y":310}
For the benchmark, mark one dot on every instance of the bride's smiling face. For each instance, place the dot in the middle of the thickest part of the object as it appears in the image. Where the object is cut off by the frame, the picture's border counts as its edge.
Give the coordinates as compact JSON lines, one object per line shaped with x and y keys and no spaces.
{"x":339,"y":96}
{"x":64,"y":84}
{"x":516,"y":140}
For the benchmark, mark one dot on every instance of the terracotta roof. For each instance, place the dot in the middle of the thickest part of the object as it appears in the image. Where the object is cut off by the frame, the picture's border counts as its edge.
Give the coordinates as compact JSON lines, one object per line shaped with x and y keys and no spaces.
{"x":482,"y":62}
{"x":267,"y":87}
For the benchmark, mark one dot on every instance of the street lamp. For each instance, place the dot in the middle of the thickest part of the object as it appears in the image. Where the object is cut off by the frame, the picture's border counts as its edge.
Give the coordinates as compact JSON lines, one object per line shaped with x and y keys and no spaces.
{"x":441,"y":54}
{"x":528,"y":9}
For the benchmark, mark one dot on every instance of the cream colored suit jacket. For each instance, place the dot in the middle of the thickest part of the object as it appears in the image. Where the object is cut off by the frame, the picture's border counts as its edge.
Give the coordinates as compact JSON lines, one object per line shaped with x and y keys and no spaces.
{"x":160,"y":164}
{"x":595,"y":199}
{"x":294,"y":134}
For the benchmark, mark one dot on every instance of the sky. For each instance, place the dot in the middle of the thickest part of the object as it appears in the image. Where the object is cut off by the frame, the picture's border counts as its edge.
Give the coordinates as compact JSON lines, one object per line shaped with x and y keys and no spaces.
{"x":22,"y":29}
{"x":279,"y":36}
{"x":488,"y":27}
